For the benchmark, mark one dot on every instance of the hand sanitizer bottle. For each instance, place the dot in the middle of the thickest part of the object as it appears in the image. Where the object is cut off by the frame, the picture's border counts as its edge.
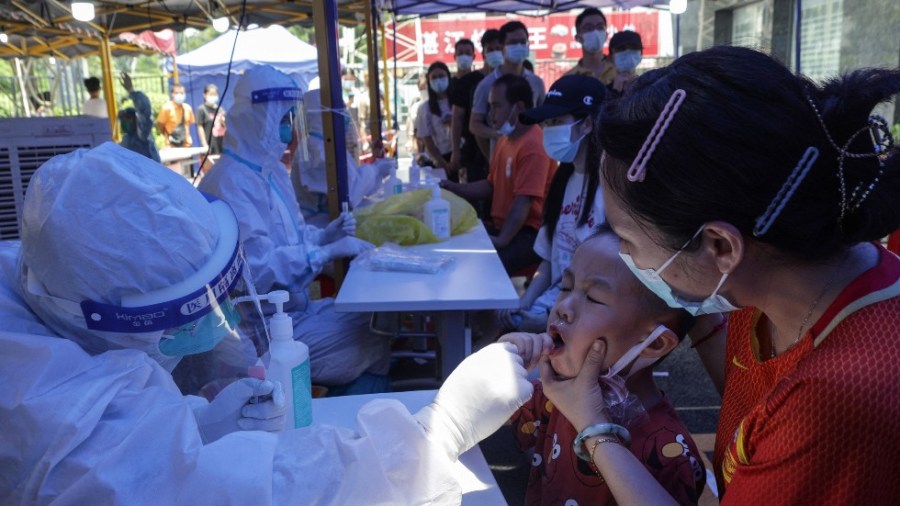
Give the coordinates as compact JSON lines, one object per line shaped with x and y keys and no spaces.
{"x":414,"y":173}
{"x":289,"y":364}
{"x":393,"y":185}
{"x":437,"y":214}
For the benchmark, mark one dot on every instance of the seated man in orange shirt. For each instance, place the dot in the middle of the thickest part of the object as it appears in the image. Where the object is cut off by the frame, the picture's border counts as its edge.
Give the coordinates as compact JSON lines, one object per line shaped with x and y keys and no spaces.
{"x":175,"y":119}
{"x":520,"y":173}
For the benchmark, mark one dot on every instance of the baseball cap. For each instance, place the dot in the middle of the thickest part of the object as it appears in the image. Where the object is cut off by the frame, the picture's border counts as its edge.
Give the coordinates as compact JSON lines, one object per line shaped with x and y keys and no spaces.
{"x":574,"y":94}
{"x":625,"y":38}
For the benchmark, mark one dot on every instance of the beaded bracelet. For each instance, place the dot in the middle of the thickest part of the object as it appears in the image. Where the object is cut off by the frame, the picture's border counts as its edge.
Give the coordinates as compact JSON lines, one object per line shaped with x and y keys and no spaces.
{"x":600,"y":429}
{"x":717,"y":328}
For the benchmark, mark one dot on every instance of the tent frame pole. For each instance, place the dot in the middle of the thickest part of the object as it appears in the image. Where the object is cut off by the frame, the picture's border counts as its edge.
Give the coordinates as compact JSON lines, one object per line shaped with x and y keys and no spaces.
{"x":108,"y":91}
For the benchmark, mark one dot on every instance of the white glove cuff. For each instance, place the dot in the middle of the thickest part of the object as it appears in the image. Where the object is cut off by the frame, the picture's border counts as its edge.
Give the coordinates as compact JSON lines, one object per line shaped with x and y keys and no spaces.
{"x":441,"y":430}
{"x":317,"y":257}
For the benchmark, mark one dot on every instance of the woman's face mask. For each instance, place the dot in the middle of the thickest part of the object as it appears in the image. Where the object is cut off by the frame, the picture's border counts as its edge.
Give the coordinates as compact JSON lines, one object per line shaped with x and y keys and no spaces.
{"x":558,"y":143}
{"x":516,"y":53}
{"x":653,"y":280}
{"x":627,"y":60}
{"x":440,"y":84}
{"x":212,"y":99}
{"x":592,"y":41}
{"x":178,"y":98}
{"x":494,"y":59}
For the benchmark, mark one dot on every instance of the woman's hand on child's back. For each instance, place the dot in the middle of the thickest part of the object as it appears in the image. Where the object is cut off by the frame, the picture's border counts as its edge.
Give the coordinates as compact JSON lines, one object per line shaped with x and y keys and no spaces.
{"x":530,"y":346}
{"x":579,"y":399}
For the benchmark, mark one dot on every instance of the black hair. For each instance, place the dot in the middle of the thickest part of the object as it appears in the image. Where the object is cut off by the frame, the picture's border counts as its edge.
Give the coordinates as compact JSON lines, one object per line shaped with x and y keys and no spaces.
{"x":210,"y":87}
{"x":527,"y":65}
{"x":509,"y":27}
{"x":557,"y":190}
{"x":590,"y":11}
{"x":517,"y":89}
{"x":489,"y":36}
{"x":92,"y":84}
{"x":433,"y":102}
{"x":464,"y":42}
{"x":744,"y":125}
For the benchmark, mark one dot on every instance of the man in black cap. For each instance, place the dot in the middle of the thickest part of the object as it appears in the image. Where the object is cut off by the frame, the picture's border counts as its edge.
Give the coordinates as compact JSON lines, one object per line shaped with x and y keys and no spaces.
{"x":626,"y":50}
{"x":94,"y":106}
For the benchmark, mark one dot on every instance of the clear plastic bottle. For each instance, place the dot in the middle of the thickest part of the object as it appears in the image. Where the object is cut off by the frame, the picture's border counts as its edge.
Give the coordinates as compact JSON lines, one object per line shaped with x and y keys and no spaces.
{"x":289,"y":364}
{"x":437,"y":213}
{"x":393,"y":185}
{"x":414,"y":173}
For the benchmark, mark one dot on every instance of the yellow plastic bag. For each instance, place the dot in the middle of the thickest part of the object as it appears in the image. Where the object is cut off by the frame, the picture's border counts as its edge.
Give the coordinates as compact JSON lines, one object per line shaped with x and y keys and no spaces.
{"x":399,"y":219}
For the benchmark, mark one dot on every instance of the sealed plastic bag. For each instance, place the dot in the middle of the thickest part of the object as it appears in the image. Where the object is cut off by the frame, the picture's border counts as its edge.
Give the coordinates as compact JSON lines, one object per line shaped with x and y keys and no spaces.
{"x":398,"y":219}
{"x":390,"y":257}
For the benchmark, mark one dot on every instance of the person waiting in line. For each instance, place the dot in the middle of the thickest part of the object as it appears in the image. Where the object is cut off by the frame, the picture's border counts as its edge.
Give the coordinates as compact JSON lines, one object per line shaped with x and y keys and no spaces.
{"x":282,"y":250}
{"x":573,"y":209}
{"x":94,"y":105}
{"x":519,"y":176}
{"x":211,"y":125}
{"x":90,"y":411}
{"x":626,"y":50}
{"x":590,"y":32}
{"x":175,"y":119}
{"x":414,"y":144}
{"x":136,"y":122}
{"x":786,"y":241}
{"x":466,"y":158}
{"x":433,"y":118}
{"x":514,"y":38}
{"x":601,"y":302}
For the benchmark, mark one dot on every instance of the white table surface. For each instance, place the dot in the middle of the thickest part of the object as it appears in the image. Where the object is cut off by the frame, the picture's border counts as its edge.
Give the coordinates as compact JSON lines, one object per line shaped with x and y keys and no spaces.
{"x":476,"y":280}
{"x":169,"y":155}
{"x":471,"y":471}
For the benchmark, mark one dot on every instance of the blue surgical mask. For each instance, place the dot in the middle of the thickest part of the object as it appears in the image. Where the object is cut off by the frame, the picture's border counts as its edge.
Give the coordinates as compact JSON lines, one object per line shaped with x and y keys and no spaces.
{"x":516,"y":53}
{"x":494,"y":59}
{"x":558,"y":143}
{"x":627,"y":60}
{"x":178,"y":98}
{"x":715,"y":303}
{"x":592,"y":41}
{"x":464,"y":61}
{"x":440,"y":84}
{"x":508,"y":127}
{"x":202,"y":335}
{"x":285,"y":132}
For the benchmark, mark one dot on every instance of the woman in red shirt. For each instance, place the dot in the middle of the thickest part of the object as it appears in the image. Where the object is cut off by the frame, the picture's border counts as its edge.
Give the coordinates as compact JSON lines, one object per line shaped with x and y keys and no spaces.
{"x":737,"y":187}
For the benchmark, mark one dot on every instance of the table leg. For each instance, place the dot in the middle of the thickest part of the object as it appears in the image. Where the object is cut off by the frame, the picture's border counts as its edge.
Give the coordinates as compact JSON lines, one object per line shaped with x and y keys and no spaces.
{"x":455,"y":338}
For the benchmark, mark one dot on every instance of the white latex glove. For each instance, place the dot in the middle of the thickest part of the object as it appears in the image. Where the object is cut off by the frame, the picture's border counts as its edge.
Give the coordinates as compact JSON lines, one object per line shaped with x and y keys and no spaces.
{"x":346,"y":247}
{"x":383,"y":167}
{"x":529,"y":346}
{"x":342,"y":226}
{"x":477,"y":399}
{"x":232,"y":411}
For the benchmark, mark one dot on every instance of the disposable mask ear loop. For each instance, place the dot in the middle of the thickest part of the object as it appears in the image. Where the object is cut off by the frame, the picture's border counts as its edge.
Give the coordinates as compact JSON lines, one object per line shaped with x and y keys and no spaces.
{"x":634,"y":351}
{"x":671,"y":259}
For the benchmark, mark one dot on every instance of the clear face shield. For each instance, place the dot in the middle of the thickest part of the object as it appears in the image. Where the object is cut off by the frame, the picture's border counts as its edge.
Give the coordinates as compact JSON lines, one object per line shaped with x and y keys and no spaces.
{"x":212,"y":320}
{"x":292,"y":129}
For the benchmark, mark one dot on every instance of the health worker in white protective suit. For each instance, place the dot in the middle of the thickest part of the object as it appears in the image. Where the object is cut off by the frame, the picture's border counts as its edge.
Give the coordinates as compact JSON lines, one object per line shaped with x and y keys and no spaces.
{"x":282,"y":250}
{"x":308,"y":175}
{"x":123,"y":268}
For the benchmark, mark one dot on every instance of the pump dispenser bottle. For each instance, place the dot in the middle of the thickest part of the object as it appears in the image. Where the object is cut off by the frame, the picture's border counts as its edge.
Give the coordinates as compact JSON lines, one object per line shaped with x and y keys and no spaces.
{"x":289,"y":364}
{"x":437,"y":213}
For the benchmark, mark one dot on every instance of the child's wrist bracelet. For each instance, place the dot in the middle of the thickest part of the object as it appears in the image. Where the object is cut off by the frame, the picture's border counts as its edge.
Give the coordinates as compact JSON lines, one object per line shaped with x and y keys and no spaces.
{"x":600,"y":429}
{"x":719,"y":326}
{"x":600,"y":440}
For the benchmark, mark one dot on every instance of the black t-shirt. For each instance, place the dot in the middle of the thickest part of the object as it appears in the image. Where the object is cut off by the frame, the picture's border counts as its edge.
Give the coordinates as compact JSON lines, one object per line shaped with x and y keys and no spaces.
{"x":205,"y":117}
{"x":461,"y":92}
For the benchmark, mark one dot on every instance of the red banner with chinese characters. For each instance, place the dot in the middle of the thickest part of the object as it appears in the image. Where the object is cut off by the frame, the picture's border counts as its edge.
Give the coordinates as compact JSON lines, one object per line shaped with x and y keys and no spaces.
{"x":550,"y":37}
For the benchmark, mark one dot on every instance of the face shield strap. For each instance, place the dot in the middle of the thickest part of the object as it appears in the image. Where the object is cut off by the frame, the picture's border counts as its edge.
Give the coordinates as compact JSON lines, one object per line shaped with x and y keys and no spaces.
{"x":167,"y":314}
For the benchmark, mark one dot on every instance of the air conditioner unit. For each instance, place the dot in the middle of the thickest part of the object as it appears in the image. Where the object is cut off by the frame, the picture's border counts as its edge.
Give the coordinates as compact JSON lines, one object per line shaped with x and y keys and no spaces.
{"x":25,"y":144}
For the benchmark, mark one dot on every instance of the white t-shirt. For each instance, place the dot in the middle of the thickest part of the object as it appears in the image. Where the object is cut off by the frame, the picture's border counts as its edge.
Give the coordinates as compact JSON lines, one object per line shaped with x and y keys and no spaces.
{"x":95,"y":107}
{"x":430,"y":125}
{"x":568,"y":234}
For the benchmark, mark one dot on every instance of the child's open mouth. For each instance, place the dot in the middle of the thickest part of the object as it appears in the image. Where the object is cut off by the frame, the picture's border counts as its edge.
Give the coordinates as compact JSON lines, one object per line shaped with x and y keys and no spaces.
{"x":558,"y":342}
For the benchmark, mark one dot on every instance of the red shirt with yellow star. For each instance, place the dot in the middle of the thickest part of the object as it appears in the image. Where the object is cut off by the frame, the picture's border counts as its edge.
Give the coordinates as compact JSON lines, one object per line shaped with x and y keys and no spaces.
{"x":558,"y":476}
{"x":819,"y":424}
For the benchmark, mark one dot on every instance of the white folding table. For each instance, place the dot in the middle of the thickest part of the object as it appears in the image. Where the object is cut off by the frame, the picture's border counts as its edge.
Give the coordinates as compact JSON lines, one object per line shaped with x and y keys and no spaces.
{"x":475,"y":281}
{"x":471,"y":471}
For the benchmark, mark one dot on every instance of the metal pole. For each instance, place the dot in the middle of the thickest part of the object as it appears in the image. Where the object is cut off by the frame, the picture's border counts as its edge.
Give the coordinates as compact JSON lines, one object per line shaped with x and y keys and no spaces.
{"x":108,"y":92}
{"x":677,"y":36}
{"x":797,"y":38}
{"x":374,"y":95}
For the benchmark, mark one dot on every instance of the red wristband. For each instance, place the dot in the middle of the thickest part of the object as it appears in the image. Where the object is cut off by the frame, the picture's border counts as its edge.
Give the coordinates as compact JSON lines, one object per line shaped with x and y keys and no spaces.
{"x":717,"y":328}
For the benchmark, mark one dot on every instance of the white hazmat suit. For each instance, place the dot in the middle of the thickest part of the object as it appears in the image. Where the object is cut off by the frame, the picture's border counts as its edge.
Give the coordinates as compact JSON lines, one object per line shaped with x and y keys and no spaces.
{"x":309,"y":177}
{"x":92,"y":417}
{"x":283,"y":252}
